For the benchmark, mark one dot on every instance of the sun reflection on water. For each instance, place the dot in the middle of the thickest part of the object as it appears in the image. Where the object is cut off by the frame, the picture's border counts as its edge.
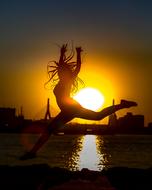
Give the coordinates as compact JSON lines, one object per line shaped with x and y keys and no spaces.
{"x":87,"y":154}
{"x":73,"y":161}
{"x":102,"y":153}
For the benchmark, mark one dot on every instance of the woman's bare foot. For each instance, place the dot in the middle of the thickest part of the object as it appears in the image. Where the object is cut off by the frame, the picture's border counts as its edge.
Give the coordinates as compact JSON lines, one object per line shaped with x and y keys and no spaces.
{"x":28,"y":155}
{"x":127,"y":104}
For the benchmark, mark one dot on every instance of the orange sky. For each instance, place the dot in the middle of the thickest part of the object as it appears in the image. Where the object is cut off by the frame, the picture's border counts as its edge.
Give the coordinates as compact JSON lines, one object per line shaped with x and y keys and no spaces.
{"x":110,"y":75}
{"x":115,"y":36}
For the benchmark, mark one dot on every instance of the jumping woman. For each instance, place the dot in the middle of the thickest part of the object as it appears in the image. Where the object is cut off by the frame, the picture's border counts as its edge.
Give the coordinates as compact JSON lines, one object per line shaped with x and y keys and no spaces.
{"x":65,"y":72}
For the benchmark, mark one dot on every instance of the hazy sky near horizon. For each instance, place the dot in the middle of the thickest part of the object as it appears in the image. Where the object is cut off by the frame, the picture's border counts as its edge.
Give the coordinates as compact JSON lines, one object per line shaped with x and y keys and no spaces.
{"x":114,"y":34}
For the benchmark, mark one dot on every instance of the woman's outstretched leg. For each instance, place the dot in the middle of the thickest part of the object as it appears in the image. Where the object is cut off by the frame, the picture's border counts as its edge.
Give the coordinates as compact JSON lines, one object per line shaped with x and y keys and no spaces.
{"x":65,"y":117}
{"x":91,"y":115}
{"x":59,"y":120}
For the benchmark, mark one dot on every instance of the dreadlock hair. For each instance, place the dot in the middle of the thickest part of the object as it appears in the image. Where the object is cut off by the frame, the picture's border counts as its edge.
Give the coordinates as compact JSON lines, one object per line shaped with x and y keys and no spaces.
{"x":53,"y":67}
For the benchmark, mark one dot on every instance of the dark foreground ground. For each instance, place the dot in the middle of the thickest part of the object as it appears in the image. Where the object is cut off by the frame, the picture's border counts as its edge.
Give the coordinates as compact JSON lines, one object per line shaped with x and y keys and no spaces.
{"x":39,"y":177}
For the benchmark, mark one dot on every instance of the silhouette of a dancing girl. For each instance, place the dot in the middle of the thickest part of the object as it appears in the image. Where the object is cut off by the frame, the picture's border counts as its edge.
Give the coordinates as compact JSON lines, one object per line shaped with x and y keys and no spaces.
{"x":67,"y":73}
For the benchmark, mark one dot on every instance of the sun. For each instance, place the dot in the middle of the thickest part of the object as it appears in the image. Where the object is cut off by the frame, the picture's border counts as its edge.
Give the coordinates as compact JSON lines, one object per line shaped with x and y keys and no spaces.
{"x":90,"y":98}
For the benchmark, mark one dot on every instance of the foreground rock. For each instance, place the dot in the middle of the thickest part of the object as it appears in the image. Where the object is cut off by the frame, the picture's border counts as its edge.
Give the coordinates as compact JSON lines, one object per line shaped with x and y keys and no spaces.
{"x":39,"y":177}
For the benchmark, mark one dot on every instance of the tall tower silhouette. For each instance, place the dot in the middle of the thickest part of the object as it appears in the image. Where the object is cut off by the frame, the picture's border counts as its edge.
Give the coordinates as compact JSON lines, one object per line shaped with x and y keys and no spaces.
{"x":112,"y":117}
{"x":47,"y":114}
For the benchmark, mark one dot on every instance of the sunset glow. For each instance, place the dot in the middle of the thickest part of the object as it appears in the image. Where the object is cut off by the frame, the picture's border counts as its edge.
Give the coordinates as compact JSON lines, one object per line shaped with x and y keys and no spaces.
{"x":90,"y":98}
{"x":115,"y":61}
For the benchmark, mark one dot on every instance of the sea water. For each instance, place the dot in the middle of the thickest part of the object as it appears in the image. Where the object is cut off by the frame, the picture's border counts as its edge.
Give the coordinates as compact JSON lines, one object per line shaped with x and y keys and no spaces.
{"x":75,"y":152}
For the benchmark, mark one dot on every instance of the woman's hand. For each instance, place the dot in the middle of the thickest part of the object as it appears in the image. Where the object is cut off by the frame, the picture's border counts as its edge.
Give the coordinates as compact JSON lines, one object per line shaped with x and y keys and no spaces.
{"x":63,"y":48}
{"x":78,"y":49}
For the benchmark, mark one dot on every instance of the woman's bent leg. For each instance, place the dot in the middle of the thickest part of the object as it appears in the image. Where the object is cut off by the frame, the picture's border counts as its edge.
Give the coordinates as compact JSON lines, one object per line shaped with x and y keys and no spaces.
{"x":92,"y":115}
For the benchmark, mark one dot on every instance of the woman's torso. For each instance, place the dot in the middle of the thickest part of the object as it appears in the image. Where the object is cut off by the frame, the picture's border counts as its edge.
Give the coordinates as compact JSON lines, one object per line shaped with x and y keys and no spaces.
{"x":63,"y":89}
{"x":63,"y":98}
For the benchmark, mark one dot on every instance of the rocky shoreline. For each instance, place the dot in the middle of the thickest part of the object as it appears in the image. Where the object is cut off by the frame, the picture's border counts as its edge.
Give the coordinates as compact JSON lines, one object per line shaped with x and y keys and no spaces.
{"x":43,"y":177}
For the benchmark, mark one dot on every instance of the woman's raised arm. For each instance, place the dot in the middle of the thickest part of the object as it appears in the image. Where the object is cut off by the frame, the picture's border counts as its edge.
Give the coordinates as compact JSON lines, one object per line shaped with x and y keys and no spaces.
{"x":78,"y":66}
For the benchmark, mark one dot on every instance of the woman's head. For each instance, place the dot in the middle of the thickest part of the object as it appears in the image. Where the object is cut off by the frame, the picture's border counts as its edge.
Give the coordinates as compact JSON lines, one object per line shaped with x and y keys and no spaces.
{"x":63,"y":70}
{"x":65,"y":74}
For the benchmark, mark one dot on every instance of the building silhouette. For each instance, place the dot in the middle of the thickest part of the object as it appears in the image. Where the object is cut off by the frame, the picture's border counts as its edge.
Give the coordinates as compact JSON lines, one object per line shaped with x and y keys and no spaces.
{"x":131,"y":123}
{"x":7,"y":116}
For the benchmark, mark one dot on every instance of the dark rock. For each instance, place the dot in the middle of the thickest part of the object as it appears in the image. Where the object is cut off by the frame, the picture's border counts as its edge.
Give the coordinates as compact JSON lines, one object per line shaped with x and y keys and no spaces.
{"x":41,"y":176}
{"x":124,"y":178}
